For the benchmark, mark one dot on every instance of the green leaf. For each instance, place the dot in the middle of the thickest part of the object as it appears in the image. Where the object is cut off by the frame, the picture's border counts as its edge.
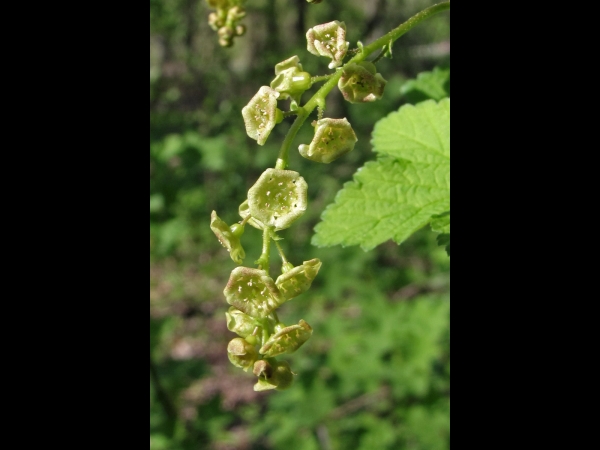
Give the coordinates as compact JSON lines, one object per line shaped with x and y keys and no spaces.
{"x":398,"y":194}
{"x":387,"y":199}
{"x":440,"y":223}
{"x":444,"y":239}
{"x":419,"y":133}
{"x":428,"y":85}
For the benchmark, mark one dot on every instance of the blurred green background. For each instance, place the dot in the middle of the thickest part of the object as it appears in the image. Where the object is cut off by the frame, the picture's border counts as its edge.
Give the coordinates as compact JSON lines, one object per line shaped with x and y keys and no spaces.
{"x":375,"y":374}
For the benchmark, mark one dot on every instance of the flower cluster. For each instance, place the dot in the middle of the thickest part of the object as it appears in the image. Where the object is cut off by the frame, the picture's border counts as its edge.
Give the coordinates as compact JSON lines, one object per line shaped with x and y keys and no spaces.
{"x":225,"y":19}
{"x":278,"y":199}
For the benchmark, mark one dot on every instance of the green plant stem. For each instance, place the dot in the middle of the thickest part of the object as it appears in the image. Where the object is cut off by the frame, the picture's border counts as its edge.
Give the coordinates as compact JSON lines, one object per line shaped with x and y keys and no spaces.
{"x":319,"y":96}
{"x":246,"y":219}
{"x":263,"y":260}
{"x":318,"y":78}
{"x":280,"y":250}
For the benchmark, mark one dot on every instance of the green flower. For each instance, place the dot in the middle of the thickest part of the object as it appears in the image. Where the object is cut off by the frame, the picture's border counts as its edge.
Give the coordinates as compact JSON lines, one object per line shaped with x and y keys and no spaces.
{"x":333,"y":138}
{"x":241,"y":353}
{"x":227,"y":238}
{"x":290,"y":80}
{"x":278,"y":198}
{"x":298,"y":280}
{"x":241,"y":324}
{"x":253,"y":292}
{"x":361,"y":83}
{"x":261,"y":114}
{"x":329,"y":40}
{"x":287,"y":340}
{"x":275,"y":375}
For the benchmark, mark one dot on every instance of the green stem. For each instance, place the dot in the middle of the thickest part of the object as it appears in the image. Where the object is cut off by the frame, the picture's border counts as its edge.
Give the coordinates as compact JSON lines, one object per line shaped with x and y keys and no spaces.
{"x":280,"y":250}
{"x":316,"y":79}
{"x":246,"y":219}
{"x":263,"y":261}
{"x":320,"y":95}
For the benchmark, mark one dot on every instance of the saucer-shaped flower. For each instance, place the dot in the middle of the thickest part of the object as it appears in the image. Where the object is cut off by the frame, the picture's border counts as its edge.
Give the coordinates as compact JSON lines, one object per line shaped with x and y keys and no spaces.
{"x":290,"y":80}
{"x":333,"y":138}
{"x":297,"y":280}
{"x":329,"y":40}
{"x":241,"y":353}
{"x":261,"y":114}
{"x":227,"y":239}
{"x":361,"y":83}
{"x":278,"y":198}
{"x":287,"y":340}
{"x":253,"y":292}
{"x":238,"y":322}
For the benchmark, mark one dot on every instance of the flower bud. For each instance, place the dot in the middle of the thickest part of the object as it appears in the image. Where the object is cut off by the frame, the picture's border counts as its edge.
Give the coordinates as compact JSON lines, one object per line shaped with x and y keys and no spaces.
{"x":333,"y":138}
{"x":360,"y":83}
{"x":287,"y":340}
{"x":260,"y":114}
{"x":227,"y":238}
{"x":225,"y":42}
{"x":278,"y":198}
{"x":240,"y":30}
{"x":329,"y":40}
{"x":253,"y":292}
{"x":241,"y":353}
{"x":225,"y":33}
{"x":237,"y":229}
{"x":236,"y":13}
{"x":294,"y":282}
{"x":214,"y":21}
{"x":238,"y":322}
{"x":290,"y":80}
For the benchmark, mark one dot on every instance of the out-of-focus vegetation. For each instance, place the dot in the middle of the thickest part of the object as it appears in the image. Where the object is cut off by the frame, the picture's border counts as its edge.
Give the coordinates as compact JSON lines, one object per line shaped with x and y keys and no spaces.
{"x":375,"y":374}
